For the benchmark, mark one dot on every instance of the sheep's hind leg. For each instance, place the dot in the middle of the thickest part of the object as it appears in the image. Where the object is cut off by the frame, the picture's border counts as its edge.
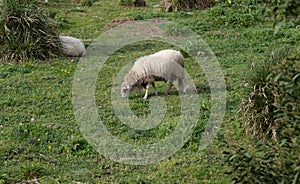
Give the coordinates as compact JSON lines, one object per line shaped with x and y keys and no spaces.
{"x":155,"y":89}
{"x":169,"y":87}
{"x":146,"y":93}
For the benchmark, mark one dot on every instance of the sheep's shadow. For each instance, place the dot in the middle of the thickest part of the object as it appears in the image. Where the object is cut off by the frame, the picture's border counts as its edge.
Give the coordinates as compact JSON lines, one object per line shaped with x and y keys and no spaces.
{"x":199,"y":89}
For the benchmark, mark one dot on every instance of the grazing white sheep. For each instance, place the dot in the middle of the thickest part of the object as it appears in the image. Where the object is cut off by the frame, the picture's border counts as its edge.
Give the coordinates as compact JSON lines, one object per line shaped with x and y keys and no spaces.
{"x":72,"y":46}
{"x":165,"y":65}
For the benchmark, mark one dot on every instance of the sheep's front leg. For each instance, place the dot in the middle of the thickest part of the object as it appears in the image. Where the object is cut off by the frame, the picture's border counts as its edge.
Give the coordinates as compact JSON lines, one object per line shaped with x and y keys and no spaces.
{"x":181,"y":86}
{"x":155,"y":89}
{"x":146,"y":93}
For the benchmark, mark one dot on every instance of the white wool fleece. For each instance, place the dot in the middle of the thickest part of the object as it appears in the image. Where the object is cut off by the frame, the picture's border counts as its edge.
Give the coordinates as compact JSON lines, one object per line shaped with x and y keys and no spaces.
{"x":165,"y":65}
{"x":72,"y":46}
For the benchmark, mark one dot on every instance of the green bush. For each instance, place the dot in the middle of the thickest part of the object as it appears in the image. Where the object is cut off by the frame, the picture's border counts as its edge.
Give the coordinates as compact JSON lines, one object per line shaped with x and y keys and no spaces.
{"x":270,"y":163}
{"x":86,"y":2}
{"x":284,"y":10}
{"x":32,"y":170}
{"x":272,"y":116}
{"x":272,"y":103}
{"x":26,"y":32}
{"x":238,"y":13}
{"x":178,"y":5}
{"x":126,"y":2}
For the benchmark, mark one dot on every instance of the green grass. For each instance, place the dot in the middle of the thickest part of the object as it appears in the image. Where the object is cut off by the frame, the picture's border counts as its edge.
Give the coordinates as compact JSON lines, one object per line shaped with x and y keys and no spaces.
{"x":39,"y":137}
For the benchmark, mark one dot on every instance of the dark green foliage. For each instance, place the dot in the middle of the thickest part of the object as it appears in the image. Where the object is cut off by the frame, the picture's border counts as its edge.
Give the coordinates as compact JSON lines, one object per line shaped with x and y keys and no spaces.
{"x":271,"y":114}
{"x":284,"y":10}
{"x":274,"y":100}
{"x":3,"y":178}
{"x":238,"y":13}
{"x":26,"y":32}
{"x":178,"y":5}
{"x":31,"y":171}
{"x":86,"y":2}
{"x":136,"y":3}
{"x":139,"y":3}
{"x":270,"y":163}
{"x":126,"y":2}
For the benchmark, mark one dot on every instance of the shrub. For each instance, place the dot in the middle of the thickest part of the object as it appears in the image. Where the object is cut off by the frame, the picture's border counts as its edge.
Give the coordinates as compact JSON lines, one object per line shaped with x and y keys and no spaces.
{"x":33,"y":170}
{"x":238,"y":13}
{"x":136,"y":3}
{"x":270,"y":163}
{"x":178,"y":5}
{"x":139,"y":3}
{"x":126,"y":2}
{"x":86,"y":2}
{"x":284,"y":10}
{"x":272,"y":116}
{"x":272,"y":103}
{"x":26,"y":32}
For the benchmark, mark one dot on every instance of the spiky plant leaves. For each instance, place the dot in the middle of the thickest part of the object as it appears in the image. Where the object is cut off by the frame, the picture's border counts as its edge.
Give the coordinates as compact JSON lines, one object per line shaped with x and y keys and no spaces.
{"x":274,"y":100}
{"x":26,"y":32}
{"x":272,"y":116}
{"x":126,"y":2}
{"x":283,"y":11}
{"x":178,"y":5}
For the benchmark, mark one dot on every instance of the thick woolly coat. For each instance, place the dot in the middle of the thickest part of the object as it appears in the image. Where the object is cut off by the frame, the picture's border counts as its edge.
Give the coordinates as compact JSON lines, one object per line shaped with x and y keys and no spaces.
{"x":165,"y":65}
{"x":72,"y":46}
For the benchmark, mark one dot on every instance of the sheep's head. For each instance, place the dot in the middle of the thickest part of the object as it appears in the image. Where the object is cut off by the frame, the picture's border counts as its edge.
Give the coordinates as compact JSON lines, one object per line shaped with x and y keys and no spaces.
{"x":125,"y":90}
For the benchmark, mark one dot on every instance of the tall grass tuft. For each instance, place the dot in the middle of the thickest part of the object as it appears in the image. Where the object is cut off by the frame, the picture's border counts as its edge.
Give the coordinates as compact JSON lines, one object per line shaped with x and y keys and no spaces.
{"x":26,"y":32}
{"x":272,"y":116}
{"x":178,"y":5}
{"x":274,"y":102}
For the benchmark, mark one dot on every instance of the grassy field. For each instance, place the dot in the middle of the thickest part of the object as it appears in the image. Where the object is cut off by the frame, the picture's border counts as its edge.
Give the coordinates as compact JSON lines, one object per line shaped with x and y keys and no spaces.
{"x":40,"y":141}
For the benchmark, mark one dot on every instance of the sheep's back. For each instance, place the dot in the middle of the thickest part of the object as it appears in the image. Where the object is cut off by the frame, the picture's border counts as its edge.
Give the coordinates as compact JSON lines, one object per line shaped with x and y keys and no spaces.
{"x":162,"y":67}
{"x":171,"y":54}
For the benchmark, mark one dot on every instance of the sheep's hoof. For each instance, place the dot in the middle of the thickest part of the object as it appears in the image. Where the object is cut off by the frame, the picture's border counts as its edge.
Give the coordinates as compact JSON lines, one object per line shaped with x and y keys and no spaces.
{"x":145,"y":98}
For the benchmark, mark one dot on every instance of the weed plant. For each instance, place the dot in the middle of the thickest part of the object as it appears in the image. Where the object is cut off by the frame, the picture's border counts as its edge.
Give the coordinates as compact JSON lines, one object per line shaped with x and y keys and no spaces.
{"x":238,"y":13}
{"x":271,"y":116}
{"x":272,"y":104}
{"x":179,"y":5}
{"x":26,"y":32}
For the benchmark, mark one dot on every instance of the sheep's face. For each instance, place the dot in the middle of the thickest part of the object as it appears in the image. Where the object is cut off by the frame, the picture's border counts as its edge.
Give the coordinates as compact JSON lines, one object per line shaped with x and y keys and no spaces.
{"x":125,"y":90}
